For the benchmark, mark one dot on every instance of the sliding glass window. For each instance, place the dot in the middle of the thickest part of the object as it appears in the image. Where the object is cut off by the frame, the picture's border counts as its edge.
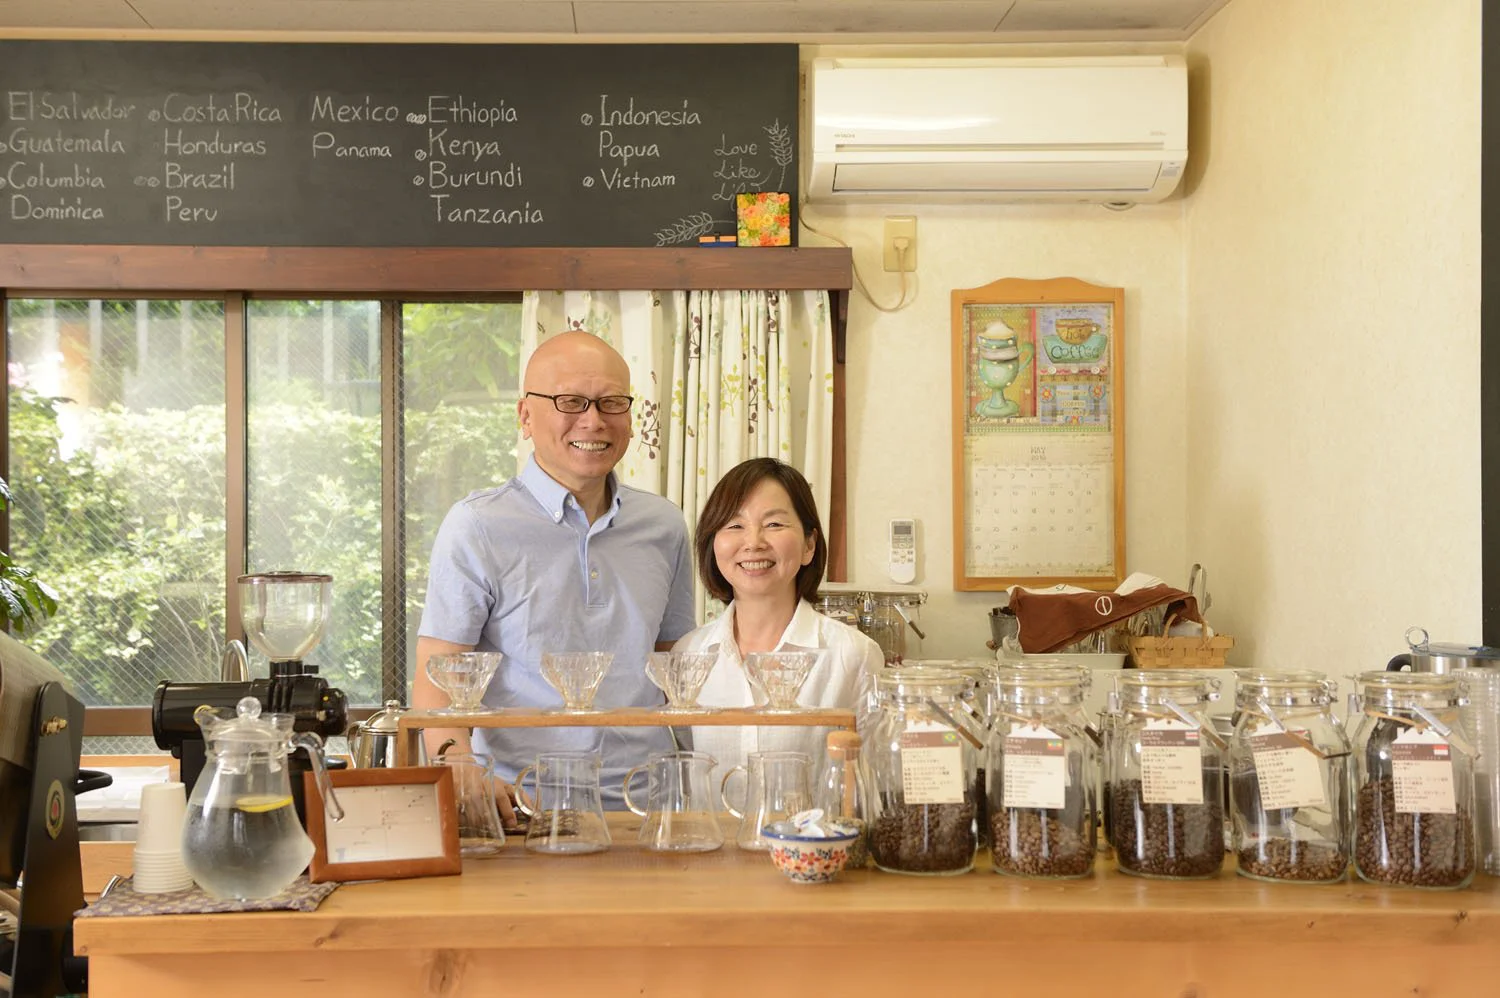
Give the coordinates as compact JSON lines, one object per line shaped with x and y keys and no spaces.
{"x":363,"y":422}
{"x":117,"y":446}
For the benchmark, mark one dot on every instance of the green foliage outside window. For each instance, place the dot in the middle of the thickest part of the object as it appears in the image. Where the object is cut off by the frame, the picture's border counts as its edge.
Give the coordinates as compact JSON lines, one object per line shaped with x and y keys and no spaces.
{"x":130,"y":533}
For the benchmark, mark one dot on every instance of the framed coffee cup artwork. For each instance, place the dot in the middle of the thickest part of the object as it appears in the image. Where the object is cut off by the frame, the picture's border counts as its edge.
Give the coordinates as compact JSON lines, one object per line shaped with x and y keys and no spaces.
{"x":1038,"y":435}
{"x":397,"y":823}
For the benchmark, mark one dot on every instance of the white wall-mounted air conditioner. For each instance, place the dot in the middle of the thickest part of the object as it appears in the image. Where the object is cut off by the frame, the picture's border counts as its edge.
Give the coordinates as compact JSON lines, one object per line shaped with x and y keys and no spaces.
{"x":1037,"y":129}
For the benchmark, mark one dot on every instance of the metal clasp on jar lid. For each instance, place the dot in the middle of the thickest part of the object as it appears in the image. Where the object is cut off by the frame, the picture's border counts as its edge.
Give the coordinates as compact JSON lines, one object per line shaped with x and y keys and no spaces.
{"x":1402,"y":689}
{"x":926,"y":687}
{"x":1302,"y":688}
{"x":1156,"y":686}
{"x":1173,"y":690}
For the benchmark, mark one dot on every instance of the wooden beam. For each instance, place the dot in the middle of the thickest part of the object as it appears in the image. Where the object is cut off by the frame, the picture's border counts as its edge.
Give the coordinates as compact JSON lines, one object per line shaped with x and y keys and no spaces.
{"x":427,"y":270}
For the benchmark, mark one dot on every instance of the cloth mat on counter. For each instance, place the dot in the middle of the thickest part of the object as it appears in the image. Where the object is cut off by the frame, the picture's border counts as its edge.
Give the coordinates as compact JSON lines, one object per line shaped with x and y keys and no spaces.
{"x":1055,"y":618}
{"x":300,"y":895}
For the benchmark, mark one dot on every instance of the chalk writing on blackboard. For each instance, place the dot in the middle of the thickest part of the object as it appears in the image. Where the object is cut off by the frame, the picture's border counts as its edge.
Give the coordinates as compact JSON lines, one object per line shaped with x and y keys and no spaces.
{"x":348,"y":144}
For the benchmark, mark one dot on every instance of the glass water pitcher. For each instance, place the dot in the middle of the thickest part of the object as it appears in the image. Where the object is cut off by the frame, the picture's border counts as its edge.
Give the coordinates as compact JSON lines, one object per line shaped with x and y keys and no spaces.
{"x":241,"y":838}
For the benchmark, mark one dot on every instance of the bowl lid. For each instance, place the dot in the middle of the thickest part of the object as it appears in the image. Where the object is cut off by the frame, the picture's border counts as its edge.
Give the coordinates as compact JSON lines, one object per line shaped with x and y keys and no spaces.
{"x":810,"y":826}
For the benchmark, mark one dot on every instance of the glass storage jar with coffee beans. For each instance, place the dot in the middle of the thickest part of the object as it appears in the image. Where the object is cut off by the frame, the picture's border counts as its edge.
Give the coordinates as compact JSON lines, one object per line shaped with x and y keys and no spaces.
{"x":920,"y":758}
{"x":1414,"y":781}
{"x":1165,"y":781}
{"x":1041,"y":765}
{"x":1289,"y":778}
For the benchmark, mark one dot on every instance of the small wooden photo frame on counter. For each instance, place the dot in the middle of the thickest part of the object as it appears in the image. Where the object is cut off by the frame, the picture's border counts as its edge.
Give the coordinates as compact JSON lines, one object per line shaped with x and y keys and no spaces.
{"x":397,"y":823}
{"x":1038,"y":435}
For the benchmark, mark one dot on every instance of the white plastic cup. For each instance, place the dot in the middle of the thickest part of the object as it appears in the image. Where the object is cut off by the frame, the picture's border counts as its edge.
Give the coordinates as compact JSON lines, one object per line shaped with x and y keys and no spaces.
{"x":163,"y":810}
{"x":157,"y":862}
{"x":146,"y":882}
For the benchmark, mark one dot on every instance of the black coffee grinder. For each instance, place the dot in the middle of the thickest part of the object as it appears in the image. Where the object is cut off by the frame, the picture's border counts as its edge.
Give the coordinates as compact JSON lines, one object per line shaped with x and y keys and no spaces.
{"x":285,"y":616}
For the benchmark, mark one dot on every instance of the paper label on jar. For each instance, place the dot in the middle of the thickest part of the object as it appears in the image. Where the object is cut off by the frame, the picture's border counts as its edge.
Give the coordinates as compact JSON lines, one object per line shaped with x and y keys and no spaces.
{"x":932,"y":764}
{"x":1035,"y":768}
{"x":1422,"y":769}
{"x":1171,"y":763}
{"x":1288,"y":774}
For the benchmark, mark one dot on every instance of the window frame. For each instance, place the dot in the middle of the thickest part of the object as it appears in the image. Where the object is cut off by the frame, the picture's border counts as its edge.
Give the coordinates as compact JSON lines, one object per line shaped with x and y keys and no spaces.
{"x":393,"y":276}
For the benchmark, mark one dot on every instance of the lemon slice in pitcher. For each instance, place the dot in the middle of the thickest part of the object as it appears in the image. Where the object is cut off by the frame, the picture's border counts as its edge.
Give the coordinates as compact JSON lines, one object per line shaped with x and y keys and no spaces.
{"x":261,"y":803}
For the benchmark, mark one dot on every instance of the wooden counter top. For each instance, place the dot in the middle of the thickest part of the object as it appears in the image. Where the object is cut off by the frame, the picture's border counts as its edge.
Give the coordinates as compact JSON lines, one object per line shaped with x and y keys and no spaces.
{"x":639,"y":922}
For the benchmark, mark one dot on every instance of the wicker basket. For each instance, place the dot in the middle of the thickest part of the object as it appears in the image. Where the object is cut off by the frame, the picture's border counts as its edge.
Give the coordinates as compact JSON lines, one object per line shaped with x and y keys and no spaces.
{"x":1155,"y":652}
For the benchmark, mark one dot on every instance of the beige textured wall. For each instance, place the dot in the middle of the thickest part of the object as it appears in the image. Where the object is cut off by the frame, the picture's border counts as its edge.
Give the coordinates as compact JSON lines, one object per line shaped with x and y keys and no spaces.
{"x":899,"y":375}
{"x":1332,"y":364}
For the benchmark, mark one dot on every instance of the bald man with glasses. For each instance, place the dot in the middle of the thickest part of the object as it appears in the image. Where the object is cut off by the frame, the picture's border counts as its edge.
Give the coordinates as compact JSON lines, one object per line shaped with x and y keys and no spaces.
{"x":563,"y":557}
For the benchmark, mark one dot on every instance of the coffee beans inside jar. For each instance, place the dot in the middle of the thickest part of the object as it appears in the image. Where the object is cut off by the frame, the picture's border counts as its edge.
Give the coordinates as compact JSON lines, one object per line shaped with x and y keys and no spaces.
{"x":1166,"y":840}
{"x":924,"y":838}
{"x":1032,"y":842}
{"x":1421,"y":849}
{"x":1293,"y":859}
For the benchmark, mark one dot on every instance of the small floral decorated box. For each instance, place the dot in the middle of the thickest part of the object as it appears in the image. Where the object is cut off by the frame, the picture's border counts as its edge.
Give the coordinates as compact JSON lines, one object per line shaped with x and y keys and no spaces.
{"x":765,"y":218}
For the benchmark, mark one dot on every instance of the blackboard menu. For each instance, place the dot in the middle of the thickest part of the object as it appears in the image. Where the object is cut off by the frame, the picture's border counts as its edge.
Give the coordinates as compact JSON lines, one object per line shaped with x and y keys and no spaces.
{"x":249,"y":144}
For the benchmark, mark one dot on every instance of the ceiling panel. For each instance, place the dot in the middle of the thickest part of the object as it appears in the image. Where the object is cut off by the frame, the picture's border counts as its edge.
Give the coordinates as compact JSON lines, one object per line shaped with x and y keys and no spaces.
{"x":1103,"y":15}
{"x":357,"y":15}
{"x":977,"y":20}
{"x":72,"y":14}
{"x":762,"y":16}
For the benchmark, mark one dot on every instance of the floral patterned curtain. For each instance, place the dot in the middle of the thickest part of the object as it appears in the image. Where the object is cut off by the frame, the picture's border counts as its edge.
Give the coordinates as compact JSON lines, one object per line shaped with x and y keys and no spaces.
{"x":718,"y":377}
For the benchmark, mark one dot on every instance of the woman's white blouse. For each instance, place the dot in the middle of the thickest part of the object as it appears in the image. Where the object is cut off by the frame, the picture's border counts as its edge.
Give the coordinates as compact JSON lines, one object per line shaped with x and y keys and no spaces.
{"x":844,"y":677}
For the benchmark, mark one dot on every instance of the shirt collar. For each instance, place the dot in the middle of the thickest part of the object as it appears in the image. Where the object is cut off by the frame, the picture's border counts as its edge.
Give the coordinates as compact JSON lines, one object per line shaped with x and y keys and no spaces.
{"x":801,"y":632}
{"x":553,"y":496}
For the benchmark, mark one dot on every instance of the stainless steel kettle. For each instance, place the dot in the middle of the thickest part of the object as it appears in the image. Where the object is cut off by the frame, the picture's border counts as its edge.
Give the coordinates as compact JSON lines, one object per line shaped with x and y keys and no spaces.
{"x":372,"y":742}
{"x":1426,"y":656}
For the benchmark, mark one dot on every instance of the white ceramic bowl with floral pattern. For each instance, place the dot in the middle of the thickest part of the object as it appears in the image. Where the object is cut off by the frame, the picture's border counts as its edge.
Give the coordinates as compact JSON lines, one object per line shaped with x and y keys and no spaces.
{"x":810,"y":859}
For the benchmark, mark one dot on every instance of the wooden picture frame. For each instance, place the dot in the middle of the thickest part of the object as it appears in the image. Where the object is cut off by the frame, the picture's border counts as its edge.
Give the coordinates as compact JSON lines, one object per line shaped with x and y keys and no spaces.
{"x":400,"y":822}
{"x":1038,"y":435}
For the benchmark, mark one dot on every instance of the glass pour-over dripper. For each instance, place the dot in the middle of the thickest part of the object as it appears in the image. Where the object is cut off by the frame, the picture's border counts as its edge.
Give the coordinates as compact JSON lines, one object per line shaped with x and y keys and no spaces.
{"x":464,"y":676}
{"x":285,"y":613}
{"x":779,"y":676}
{"x":680,"y":675}
{"x":576,"y":676}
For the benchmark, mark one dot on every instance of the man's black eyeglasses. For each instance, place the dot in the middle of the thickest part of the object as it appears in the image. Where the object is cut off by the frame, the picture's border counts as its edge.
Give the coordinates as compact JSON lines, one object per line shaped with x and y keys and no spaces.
{"x":610,"y":405}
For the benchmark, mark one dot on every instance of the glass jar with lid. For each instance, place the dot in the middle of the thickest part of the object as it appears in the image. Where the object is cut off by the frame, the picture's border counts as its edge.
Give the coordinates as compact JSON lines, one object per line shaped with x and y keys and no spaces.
{"x":843,"y":607}
{"x":1289,"y":778}
{"x":1165,"y":780}
{"x":920,"y":759}
{"x":1413,"y":779}
{"x":887,"y":616}
{"x":1041,"y":766}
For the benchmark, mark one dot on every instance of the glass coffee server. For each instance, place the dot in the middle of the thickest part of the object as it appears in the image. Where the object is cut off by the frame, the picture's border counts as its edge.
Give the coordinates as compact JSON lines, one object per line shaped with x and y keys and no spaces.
{"x":1289,"y":778}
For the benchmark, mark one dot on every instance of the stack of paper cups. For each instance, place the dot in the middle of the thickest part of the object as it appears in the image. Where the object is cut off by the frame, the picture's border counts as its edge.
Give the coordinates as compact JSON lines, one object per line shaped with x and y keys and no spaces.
{"x":158,"y":840}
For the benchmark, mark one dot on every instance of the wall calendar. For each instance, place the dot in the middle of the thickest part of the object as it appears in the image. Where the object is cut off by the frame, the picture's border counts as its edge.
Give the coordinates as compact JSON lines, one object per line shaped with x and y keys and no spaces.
{"x":1038,"y":430}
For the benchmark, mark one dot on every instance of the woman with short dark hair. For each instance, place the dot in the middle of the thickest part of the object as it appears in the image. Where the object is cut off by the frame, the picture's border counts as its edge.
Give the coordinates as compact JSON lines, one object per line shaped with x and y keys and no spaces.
{"x":760,"y":548}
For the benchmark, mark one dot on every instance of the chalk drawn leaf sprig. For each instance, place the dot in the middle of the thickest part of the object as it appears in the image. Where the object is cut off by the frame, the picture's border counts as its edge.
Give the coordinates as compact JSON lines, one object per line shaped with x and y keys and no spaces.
{"x":781,"y":142}
{"x":684,"y":229}
{"x":781,"y":148}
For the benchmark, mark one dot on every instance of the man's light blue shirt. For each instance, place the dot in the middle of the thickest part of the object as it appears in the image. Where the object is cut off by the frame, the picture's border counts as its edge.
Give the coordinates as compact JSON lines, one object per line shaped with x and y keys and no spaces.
{"x":519,"y":569}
